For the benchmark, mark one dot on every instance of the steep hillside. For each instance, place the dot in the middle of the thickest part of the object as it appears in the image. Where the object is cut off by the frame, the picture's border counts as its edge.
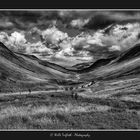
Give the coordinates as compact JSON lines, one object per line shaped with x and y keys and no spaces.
{"x":95,"y":65}
{"x":23,"y":68}
{"x":129,"y":54}
{"x":20,"y":70}
{"x":127,"y":64}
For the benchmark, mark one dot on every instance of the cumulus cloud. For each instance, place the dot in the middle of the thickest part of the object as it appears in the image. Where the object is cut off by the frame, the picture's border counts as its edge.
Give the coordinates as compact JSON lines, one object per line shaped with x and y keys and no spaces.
{"x":38,"y":48}
{"x":120,"y":38}
{"x":67,"y":46}
{"x":115,"y":48}
{"x":16,"y":41}
{"x":125,"y":36}
{"x":79,"y":23}
{"x":58,"y":44}
{"x":17,"y":38}
{"x":53,"y":35}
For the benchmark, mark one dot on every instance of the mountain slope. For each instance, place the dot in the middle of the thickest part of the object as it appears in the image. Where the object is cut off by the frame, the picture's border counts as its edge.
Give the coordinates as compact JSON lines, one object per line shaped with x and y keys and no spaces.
{"x":26,"y":68}
{"x":129,"y":54}
{"x":126,"y":64}
{"x":18,"y":67}
{"x":95,"y":65}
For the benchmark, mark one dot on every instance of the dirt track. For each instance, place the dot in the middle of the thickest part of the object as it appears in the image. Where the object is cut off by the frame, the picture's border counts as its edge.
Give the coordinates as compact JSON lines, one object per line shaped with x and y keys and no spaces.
{"x":26,"y":92}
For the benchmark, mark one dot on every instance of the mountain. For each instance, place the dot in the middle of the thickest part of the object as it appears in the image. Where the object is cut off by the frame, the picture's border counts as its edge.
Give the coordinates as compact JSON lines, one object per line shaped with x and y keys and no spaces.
{"x":129,"y":54}
{"x":82,"y":66}
{"x":16,"y":68}
{"x":24,"y":70}
{"x":95,"y":65}
{"x":125,"y":65}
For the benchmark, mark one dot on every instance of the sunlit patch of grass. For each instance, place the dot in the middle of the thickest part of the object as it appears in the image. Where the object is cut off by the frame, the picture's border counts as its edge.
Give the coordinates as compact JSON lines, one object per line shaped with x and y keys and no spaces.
{"x":44,"y":116}
{"x":14,"y":111}
{"x":63,"y":112}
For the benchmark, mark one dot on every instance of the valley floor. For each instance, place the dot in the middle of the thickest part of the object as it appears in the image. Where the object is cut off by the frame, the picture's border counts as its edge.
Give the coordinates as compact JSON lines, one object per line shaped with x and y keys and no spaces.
{"x":106,"y":105}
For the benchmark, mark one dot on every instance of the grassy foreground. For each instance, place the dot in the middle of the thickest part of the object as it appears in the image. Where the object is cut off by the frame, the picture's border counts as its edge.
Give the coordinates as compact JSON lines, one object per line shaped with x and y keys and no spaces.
{"x":60,"y":111}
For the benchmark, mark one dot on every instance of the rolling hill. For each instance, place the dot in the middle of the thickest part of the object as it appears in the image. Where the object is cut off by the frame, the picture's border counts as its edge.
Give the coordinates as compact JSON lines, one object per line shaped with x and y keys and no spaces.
{"x":19,"y":69}
{"x":126,"y":64}
{"x":22,"y":68}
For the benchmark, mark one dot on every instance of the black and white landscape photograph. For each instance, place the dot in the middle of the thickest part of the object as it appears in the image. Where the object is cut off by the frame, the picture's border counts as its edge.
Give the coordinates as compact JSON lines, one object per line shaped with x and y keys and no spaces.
{"x":69,"y":69}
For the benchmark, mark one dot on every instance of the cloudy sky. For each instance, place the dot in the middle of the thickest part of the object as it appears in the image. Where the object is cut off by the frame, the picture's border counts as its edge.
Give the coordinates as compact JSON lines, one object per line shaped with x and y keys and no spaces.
{"x":70,"y":36}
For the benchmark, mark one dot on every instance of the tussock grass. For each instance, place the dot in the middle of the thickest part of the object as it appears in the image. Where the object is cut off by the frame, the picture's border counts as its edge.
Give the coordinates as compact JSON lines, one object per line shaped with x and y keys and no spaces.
{"x":42,"y":111}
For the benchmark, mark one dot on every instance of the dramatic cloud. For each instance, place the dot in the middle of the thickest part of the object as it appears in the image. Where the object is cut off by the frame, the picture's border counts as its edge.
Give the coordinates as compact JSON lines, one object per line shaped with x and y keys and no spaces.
{"x":16,"y":41}
{"x":42,"y":35}
{"x":79,"y":23}
{"x":125,"y":36}
{"x":38,"y":48}
{"x":58,"y":43}
{"x":53,"y":35}
{"x":5,"y":24}
{"x":115,"y":48}
{"x":17,"y":38}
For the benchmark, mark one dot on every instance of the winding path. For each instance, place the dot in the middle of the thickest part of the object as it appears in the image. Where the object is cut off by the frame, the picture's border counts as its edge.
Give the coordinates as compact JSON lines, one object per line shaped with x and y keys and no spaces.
{"x":27,"y":93}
